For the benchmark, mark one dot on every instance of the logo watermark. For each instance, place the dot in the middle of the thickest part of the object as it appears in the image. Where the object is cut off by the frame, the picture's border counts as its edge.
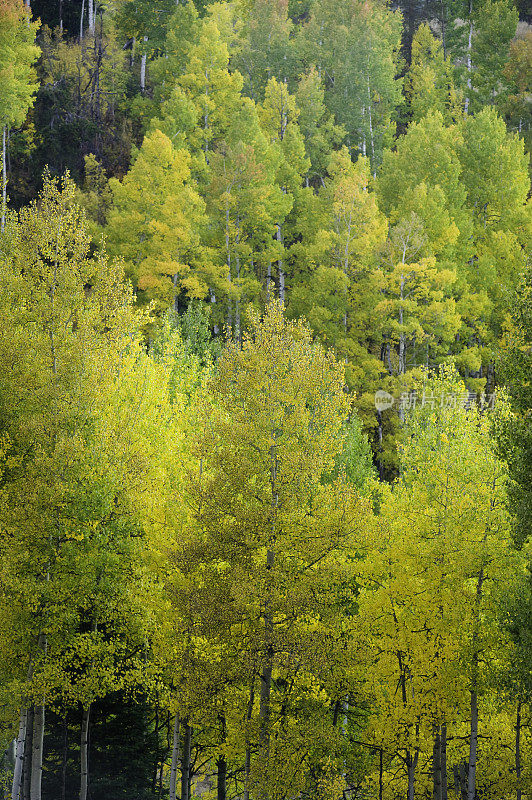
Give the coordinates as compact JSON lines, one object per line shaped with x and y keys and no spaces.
{"x":410,"y":400}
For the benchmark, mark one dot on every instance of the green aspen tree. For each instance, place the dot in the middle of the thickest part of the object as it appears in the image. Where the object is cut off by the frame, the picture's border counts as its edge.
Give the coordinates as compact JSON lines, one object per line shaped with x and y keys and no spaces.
{"x":340,"y":293}
{"x":429,"y":84}
{"x":279,"y":120}
{"x":266,"y":531}
{"x":243,"y":204}
{"x":18,"y":83}
{"x":355,"y":48}
{"x":265,"y":51}
{"x":317,"y":125}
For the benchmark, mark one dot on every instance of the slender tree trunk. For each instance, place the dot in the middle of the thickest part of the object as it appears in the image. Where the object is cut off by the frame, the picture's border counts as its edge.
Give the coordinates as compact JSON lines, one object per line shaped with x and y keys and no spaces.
{"x":436,"y":765}
{"x":519,"y":791}
{"x":26,"y":776}
{"x":402,"y":338}
{"x":267,"y":669}
{"x":37,"y":752}
{"x":469,"y":64}
{"x":143,"y":60}
{"x":238,"y":332}
{"x":280,"y":266}
{"x":4,"y":180}
{"x":81,"y":20}
{"x":221,"y":764}
{"x":473,"y":735}
{"x":381,"y":775}
{"x":268,"y":280}
{"x":156,"y":762}
{"x":229,"y":269}
{"x":266,"y":676}
{"x":443,"y":761}
{"x":249,"y":714}
{"x":185,"y":761}
{"x":371,"y":136}
{"x":443,"y":29}
{"x":175,"y":759}
{"x":19,"y":755}
{"x":176,"y":294}
{"x":473,"y":745}
{"x":411,"y":763}
{"x":92,"y":17}
{"x":64,"y":761}
{"x":85,"y":721}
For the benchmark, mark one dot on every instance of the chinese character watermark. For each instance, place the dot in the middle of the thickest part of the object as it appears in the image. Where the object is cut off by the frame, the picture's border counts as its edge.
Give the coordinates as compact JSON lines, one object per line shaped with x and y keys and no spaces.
{"x":407,"y":401}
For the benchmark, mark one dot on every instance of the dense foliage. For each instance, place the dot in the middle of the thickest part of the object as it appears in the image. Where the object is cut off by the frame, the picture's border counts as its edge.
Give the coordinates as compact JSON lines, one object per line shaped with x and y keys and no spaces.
{"x":266,"y":407}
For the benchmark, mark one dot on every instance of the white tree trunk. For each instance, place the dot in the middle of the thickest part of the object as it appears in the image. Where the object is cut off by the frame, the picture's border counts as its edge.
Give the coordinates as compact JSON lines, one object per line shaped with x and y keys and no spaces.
{"x":37,"y":752}
{"x":185,"y":762}
{"x":19,"y":755}
{"x":143,"y":60}
{"x":92,"y":16}
{"x":371,"y":137}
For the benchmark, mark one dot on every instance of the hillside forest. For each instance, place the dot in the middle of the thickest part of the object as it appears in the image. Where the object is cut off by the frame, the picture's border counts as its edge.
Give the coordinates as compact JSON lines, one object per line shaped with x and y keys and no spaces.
{"x":265,"y":400}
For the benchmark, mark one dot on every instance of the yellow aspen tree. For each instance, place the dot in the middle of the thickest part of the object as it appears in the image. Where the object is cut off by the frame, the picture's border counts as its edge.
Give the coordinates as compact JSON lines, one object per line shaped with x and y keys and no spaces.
{"x":267,"y":527}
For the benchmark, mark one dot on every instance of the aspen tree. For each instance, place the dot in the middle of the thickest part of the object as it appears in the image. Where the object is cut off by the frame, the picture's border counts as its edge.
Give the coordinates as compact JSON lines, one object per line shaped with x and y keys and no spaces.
{"x":354,"y":47}
{"x":429,"y":84}
{"x":18,"y":85}
{"x":266,"y":529}
{"x":155,"y":220}
{"x":278,"y":115}
{"x":71,"y":470}
{"x":340,"y":293}
{"x":442,"y":572}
